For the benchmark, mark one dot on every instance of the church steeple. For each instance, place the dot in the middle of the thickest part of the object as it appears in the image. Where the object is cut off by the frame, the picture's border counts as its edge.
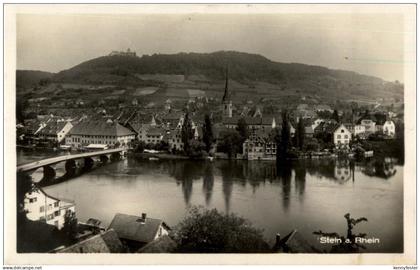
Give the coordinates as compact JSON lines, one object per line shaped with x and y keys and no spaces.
{"x":226,"y":100}
{"x":226,"y":96}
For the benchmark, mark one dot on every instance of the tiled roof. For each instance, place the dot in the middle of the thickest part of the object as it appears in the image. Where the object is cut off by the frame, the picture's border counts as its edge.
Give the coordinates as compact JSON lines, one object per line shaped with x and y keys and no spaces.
{"x":107,"y":242}
{"x":249,"y":120}
{"x":155,"y":131}
{"x":131,"y":228}
{"x":163,"y":244}
{"x":52,"y":128}
{"x":100,"y":128}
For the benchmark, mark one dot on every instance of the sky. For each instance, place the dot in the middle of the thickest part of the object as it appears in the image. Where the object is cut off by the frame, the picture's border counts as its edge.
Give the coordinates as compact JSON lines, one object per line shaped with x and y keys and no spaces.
{"x":371,"y":44}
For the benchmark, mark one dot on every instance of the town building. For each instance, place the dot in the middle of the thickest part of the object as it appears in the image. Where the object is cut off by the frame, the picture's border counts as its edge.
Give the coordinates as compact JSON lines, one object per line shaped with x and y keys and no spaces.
{"x":360,"y":131}
{"x":175,"y":140}
{"x":259,"y":146}
{"x":55,"y":131}
{"x":154,"y":135}
{"x":135,"y":232}
{"x":42,"y":207}
{"x":341,"y":136}
{"x":99,"y":132}
{"x":369,"y":125}
{"x":389,"y":128}
{"x":106,"y":242}
{"x":227,"y":106}
{"x":122,"y":53}
{"x":258,"y":123}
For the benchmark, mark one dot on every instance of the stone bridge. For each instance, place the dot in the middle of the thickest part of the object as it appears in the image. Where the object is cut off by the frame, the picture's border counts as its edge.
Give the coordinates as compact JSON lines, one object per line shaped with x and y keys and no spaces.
{"x":75,"y":164}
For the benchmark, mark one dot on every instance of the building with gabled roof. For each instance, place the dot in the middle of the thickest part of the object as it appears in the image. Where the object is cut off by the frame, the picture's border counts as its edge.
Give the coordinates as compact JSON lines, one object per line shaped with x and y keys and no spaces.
{"x":135,"y":231}
{"x":99,"y":132}
{"x":41,"y":206}
{"x":55,"y":131}
{"x":341,"y":137}
{"x":106,"y":242}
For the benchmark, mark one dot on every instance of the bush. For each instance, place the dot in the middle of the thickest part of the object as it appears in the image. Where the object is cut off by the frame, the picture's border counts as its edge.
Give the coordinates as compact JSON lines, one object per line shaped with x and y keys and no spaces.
{"x":208,"y":231}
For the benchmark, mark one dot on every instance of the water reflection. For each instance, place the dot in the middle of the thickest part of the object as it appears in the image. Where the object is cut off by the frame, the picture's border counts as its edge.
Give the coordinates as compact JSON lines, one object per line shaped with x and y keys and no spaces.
{"x":255,"y":174}
{"x":208,"y":183}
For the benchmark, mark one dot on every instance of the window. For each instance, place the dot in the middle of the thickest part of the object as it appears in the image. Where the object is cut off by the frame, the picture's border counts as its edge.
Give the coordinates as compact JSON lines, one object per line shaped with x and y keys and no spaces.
{"x":41,"y":209}
{"x":338,"y":136}
{"x":57,"y":213}
{"x":346,"y":136}
{"x":31,"y":200}
{"x":56,"y":204}
{"x":342,"y":131}
{"x":50,"y":216}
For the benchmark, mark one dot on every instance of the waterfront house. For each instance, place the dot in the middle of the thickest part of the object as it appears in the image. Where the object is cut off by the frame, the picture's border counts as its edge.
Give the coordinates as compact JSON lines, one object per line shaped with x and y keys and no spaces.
{"x":175,"y":140}
{"x":135,"y":231}
{"x":360,"y":130}
{"x":341,"y":136}
{"x":106,"y":242}
{"x":55,"y":131}
{"x":259,"y":146}
{"x":154,"y":135}
{"x":350,"y":127}
{"x":389,"y":128}
{"x":99,"y":132}
{"x":43,"y":207}
{"x":31,"y":129}
{"x":369,"y":125}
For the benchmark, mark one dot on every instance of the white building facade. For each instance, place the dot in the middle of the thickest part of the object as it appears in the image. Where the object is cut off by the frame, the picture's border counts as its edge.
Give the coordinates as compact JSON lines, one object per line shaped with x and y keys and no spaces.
{"x":342,"y":137}
{"x":43,"y":207}
{"x":389,"y":128}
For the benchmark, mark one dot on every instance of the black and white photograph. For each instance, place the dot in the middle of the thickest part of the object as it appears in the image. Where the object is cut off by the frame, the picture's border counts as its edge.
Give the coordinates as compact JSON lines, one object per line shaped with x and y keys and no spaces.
{"x":266,"y":130}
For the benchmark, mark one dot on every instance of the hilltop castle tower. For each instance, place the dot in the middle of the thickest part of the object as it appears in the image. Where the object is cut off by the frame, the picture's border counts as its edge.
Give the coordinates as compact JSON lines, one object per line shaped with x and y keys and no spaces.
{"x":227,"y":106}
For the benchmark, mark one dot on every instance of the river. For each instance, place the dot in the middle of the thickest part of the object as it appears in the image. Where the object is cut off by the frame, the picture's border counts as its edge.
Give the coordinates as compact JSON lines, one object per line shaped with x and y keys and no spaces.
{"x":308,"y":195}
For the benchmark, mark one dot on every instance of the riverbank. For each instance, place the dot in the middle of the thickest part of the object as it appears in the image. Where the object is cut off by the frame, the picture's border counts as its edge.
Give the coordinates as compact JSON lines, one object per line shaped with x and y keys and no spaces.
{"x":151,"y":156}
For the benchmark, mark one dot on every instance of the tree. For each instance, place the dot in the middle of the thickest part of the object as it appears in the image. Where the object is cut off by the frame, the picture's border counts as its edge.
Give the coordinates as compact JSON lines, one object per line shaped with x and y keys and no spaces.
{"x":399,"y":137}
{"x":196,"y":149}
{"x":207,"y":132}
{"x":186,"y":132}
{"x":23,"y":186}
{"x":21,"y":105}
{"x":70,"y":225}
{"x":300,"y":134}
{"x":335,"y":116}
{"x":242,"y":129}
{"x":230,"y":143}
{"x":283,"y":139}
{"x":208,"y":231}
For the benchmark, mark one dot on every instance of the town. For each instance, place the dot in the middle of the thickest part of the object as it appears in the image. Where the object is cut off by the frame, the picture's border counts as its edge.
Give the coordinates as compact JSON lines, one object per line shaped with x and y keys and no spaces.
{"x":198,"y":127}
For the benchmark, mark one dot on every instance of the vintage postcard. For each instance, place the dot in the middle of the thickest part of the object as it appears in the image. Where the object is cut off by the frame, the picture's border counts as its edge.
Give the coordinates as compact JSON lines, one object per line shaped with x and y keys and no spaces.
{"x":210,"y":133}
